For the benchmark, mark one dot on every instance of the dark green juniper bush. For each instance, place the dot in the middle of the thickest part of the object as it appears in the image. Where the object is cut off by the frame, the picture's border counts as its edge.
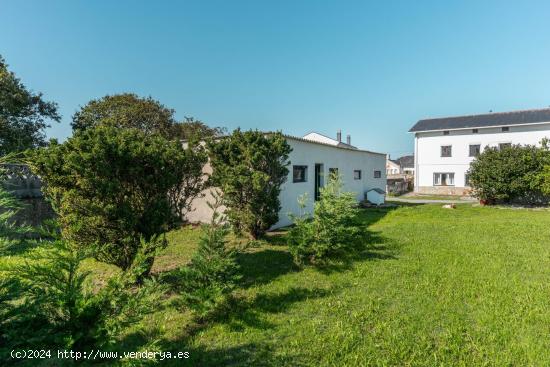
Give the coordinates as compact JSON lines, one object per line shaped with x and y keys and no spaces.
{"x":250,"y":167}
{"x":111,"y":187}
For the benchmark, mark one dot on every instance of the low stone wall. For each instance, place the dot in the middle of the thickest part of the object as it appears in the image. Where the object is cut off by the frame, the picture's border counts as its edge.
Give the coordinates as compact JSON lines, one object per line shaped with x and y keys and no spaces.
{"x":444,"y":190}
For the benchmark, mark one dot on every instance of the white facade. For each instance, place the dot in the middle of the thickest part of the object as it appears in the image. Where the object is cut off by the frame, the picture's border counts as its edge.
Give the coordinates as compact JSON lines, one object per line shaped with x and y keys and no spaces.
{"x":307,"y":157}
{"x":306,"y":153}
{"x":430,"y":164}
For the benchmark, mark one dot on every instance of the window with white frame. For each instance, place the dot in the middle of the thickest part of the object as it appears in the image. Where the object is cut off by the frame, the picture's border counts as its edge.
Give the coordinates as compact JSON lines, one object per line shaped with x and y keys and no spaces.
{"x":444,"y":179}
{"x":377,"y":174}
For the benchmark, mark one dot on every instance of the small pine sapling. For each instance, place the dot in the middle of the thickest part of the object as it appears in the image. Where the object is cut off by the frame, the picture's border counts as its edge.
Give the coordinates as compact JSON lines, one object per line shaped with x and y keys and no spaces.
{"x":213,"y":271}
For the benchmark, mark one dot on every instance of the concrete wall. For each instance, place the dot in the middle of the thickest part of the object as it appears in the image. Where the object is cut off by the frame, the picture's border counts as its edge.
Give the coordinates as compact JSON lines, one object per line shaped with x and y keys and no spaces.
{"x":428,"y":158}
{"x":308,"y":154}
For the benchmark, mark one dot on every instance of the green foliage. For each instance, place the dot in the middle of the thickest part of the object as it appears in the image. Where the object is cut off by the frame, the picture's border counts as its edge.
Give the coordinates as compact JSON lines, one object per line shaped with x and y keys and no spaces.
{"x":23,"y":114}
{"x":213,"y":271}
{"x":128,"y":110}
{"x":334,"y":227}
{"x":190,"y":129}
{"x":111,"y":187}
{"x":250,"y":167}
{"x":50,"y":304}
{"x":509,"y":174}
{"x":125,"y":111}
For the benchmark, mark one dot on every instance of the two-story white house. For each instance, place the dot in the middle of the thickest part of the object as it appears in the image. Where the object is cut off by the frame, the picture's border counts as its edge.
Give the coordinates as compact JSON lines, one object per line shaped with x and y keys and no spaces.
{"x":445,"y":147}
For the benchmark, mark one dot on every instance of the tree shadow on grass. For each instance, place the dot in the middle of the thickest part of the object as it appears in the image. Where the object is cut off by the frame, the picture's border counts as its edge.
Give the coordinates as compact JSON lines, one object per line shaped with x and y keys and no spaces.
{"x":345,"y":261}
{"x":261,"y":266}
{"x":237,"y":313}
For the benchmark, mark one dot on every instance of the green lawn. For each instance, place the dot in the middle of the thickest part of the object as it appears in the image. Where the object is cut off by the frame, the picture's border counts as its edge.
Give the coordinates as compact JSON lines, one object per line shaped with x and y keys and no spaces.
{"x":462,"y":287}
{"x":436,"y":287}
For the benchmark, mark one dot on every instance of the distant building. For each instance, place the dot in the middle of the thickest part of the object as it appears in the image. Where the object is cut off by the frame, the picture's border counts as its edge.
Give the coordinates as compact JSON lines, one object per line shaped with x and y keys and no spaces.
{"x":445,"y":147}
{"x":400,"y":166}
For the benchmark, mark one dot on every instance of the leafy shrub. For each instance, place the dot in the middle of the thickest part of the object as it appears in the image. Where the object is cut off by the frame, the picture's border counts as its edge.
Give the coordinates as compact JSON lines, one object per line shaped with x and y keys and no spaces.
{"x":110,"y":187}
{"x":335,"y":225}
{"x":213,"y":271}
{"x":250,"y":167}
{"x":51,"y":306}
{"x":511,"y":174}
{"x":23,"y":114}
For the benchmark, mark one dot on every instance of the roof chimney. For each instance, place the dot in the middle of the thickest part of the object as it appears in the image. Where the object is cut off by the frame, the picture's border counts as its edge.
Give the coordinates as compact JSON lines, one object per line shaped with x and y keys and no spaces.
{"x":339,"y":136}
{"x":348,"y":139}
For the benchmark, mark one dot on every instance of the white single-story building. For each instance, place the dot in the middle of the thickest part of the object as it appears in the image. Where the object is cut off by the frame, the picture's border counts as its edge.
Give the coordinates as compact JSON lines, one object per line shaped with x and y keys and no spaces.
{"x":445,"y":147}
{"x":312,"y":159}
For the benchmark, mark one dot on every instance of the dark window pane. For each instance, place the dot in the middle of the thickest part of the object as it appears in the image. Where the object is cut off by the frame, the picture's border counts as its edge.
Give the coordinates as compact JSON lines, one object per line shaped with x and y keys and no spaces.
{"x":357,"y":174}
{"x":475,"y":149}
{"x":299,"y":173}
{"x":446,"y":150}
{"x":377,"y":174}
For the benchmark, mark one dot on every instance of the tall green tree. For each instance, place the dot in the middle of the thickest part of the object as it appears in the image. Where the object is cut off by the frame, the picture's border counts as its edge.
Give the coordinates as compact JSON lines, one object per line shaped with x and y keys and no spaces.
{"x":24,"y":114}
{"x":110,"y":187}
{"x":250,"y":167}
{"x":125,"y":110}
{"x":190,"y":129}
{"x":128,"y":110}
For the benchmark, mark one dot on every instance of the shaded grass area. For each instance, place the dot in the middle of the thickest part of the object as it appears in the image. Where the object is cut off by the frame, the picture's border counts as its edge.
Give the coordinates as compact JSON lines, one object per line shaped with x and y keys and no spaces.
{"x":433,"y":287}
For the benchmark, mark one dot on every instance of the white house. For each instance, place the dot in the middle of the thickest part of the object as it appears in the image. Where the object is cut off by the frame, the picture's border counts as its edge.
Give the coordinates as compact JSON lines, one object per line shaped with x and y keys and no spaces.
{"x":311,"y":162}
{"x":444,"y":147}
{"x":392,"y":167}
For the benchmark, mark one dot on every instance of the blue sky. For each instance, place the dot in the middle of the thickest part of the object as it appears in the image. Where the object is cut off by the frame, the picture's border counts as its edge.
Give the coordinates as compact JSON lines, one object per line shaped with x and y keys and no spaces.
{"x":371,"y":69}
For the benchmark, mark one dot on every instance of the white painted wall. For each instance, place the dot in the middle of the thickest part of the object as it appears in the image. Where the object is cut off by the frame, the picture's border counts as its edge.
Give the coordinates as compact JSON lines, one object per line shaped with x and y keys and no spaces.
{"x":346,"y":160}
{"x":308,"y":154}
{"x":428,"y":158}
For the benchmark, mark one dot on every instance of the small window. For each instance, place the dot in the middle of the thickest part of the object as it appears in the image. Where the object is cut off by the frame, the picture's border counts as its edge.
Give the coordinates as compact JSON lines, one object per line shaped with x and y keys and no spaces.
{"x":357,"y":174}
{"x":475,"y":149}
{"x":466,"y":180}
{"x":444,"y":179}
{"x":505,"y":128}
{"x":475,"y":131}
{"x":502,"y":146}
{"x":299,"y":173}
{"x":377,"y":174}
{"x":446,"y":150}
{"x":332,"y":171}
{"x":445,"y":132}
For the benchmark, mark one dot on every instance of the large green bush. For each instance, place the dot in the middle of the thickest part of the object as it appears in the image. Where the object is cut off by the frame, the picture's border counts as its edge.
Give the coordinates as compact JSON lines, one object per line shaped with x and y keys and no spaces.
{"x":111,"y":187}
{"x":511,"y":174}
{"x":334,"y":227}
{"x":250,"y":167}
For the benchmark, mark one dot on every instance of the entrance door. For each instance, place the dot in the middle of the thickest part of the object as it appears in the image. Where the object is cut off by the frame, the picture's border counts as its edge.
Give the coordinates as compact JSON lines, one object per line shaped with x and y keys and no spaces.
{"x":318,"y":179}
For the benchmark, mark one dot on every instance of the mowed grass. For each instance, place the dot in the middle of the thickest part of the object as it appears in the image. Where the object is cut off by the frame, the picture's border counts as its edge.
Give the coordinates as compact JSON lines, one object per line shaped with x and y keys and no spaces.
{"x":434,"y":287}
{"x":437,"y":287}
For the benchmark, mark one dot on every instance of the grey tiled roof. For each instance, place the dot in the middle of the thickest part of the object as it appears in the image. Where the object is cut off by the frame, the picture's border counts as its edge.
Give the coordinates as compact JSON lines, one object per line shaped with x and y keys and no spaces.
{"x":484,"y":120}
